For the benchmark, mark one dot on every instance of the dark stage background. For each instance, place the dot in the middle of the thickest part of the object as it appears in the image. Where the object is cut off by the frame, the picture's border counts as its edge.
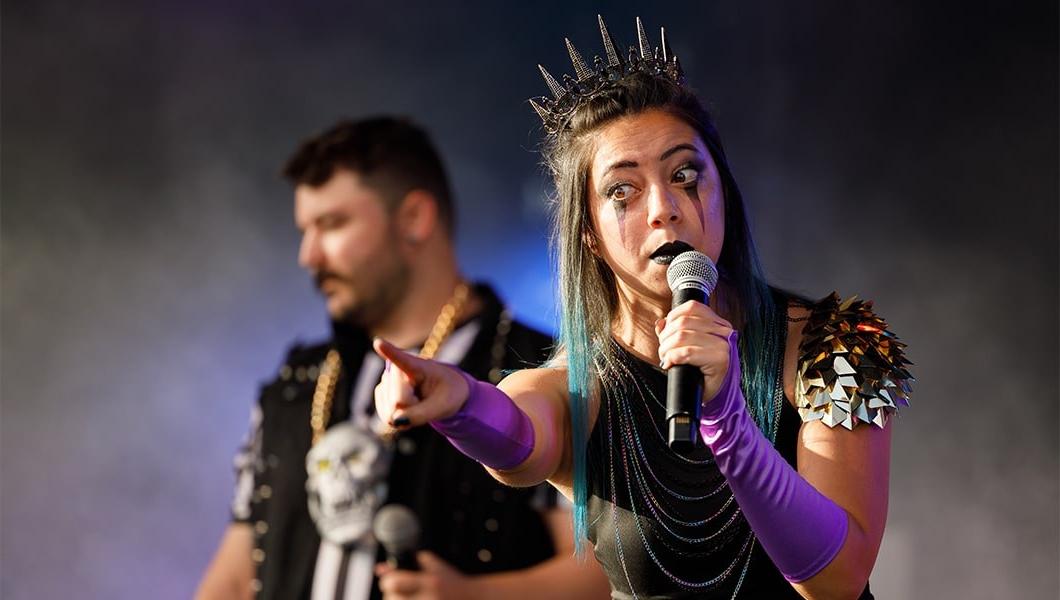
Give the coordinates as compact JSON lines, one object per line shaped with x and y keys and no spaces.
{"x":906,"y":152}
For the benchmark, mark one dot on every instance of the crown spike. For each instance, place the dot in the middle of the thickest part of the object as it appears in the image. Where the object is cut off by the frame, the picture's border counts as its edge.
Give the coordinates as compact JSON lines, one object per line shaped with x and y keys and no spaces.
{"x":541,"y":112}
{"x":571,"y":91}
{"x":642,"y":40}
{"x":613,"y":59}
{"x":581,"y":69}
{"x":553,"y":85}
{"x":677,"y":73}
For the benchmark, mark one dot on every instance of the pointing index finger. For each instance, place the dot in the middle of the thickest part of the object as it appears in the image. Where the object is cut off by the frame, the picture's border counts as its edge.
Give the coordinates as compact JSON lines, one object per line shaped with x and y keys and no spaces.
{"x":407,"y":363}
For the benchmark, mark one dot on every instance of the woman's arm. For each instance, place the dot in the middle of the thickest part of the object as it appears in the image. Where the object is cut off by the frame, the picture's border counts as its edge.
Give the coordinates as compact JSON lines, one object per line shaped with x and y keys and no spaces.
{"x":821,"y":525}
{"x":519,"y":431}
{"x":852,"y":469}
{"x":542,"y":395}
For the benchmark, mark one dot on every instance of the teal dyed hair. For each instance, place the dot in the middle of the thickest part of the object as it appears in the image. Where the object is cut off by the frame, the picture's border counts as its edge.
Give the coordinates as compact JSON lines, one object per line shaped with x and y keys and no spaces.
{"x":587,"y":293}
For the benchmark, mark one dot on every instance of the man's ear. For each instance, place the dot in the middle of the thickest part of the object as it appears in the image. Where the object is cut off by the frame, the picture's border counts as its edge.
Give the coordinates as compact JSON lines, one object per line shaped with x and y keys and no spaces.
{"x":417,"y":216}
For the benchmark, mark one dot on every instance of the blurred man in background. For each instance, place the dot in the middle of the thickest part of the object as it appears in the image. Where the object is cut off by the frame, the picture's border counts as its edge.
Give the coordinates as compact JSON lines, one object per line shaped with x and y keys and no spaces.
{"x":372,"y":201}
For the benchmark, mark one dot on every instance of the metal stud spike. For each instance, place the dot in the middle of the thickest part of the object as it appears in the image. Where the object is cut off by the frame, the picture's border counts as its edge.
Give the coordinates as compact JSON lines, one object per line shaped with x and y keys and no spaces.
{"x":553,"y":85}
{"x":642,"y":40}
{"x":581,"y":69}
{"x":613,"y":59}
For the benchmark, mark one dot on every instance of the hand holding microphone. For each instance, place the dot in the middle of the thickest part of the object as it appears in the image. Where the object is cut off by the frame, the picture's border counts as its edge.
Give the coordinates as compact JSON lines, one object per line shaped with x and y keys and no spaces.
{"x":410,"y":572}
{"x":398,"y":531}
{"x":693,"y":347}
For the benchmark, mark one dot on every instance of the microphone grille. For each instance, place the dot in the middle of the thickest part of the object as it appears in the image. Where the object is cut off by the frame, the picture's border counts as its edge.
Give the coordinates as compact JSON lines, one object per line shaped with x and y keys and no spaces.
{"x":396,"y":528}
{"x":692,"y":268}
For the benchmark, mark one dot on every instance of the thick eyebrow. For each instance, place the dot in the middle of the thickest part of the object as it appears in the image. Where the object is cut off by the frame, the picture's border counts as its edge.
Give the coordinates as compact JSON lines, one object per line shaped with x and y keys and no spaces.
{"x":333,"y":213}
{"x":625,"y":164}
{"x":327,"y":214}
{"x":622,"y":164}
{"x":676,"y":148}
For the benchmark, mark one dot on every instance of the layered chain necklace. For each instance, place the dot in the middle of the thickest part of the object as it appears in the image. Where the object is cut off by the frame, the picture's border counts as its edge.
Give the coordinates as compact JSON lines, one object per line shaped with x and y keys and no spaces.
{"x":324,"y":393}
{"x":631,"y":451}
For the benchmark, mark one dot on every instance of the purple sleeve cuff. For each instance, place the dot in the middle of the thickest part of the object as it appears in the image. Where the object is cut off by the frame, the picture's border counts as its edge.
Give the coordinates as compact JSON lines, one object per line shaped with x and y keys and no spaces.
{"x":800,"y":528}
{"x":489,"y":427}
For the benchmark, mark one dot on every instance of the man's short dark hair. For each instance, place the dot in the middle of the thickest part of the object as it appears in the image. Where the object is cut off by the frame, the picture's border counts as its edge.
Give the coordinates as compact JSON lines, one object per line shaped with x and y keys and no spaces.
{"x":392,"y":154}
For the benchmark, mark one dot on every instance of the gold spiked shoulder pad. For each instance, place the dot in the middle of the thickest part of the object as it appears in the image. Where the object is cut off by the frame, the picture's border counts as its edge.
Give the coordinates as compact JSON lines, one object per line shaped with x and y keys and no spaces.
{"x":851,"y":369}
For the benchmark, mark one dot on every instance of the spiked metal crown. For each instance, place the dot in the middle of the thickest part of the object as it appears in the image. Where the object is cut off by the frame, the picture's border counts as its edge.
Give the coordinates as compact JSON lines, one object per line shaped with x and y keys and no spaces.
{"x":556,"y":112}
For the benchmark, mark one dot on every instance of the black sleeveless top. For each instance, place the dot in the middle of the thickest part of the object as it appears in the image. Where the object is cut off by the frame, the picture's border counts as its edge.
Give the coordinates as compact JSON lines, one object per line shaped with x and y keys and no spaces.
{"x":664,"y":525}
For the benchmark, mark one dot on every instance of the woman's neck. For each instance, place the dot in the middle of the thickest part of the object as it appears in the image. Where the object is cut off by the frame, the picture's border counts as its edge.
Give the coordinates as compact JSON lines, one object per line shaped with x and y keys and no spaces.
{"x":634,"y":323}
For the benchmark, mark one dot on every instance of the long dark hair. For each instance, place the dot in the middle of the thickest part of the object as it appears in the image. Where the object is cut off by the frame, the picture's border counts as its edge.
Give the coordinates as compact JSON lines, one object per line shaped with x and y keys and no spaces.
{"x":588,"y":295}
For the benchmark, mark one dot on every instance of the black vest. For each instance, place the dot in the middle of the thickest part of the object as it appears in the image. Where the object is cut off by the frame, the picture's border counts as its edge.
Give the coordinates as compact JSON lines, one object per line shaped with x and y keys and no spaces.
{"x":467,"y":518}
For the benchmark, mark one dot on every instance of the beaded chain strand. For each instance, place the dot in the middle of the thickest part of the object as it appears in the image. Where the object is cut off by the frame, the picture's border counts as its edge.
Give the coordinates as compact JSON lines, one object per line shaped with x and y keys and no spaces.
{"x":644,"y":483}
{"x":320,"y":412}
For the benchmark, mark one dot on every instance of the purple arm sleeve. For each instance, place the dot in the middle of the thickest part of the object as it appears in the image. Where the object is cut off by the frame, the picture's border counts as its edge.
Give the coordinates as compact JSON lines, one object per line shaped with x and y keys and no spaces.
{"x":799,"y":528}
{"x":489,"y":427}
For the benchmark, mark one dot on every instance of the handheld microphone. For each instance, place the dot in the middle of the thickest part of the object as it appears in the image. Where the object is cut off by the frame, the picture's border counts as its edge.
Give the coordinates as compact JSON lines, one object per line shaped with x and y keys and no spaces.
{"x":691,"y":276}
{"x":397,"y":529}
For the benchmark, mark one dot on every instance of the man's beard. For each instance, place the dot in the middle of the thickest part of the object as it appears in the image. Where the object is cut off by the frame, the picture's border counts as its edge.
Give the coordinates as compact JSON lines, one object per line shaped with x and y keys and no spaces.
{"x":373,"y":301}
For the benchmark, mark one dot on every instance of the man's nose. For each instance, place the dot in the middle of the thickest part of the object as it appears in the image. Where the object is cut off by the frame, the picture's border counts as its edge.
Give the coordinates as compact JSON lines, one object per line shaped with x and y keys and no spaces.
{"x":309,"y":253}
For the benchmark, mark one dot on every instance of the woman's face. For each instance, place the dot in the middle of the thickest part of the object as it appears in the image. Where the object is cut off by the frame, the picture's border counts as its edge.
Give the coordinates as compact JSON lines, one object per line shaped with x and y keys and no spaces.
{"x":652,"y":181}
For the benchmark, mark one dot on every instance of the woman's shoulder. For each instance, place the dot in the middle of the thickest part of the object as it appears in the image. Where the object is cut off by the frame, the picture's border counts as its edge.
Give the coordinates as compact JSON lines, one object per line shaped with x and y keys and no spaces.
{"x":847,"y":366}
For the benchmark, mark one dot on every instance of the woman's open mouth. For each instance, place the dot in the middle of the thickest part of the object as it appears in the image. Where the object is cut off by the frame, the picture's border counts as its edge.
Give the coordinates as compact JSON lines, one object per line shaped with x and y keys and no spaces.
{"x":666,"y":253}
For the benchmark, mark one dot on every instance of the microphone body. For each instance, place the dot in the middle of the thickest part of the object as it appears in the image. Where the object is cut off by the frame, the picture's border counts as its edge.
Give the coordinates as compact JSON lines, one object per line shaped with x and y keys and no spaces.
{"x":398,"y":531}
{"x":692,"y":276}
{"x":404,"y":560}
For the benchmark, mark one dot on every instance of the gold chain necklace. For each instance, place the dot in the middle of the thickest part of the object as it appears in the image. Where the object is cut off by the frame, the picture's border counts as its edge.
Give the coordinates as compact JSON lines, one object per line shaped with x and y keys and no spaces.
{"x":324,"y":393}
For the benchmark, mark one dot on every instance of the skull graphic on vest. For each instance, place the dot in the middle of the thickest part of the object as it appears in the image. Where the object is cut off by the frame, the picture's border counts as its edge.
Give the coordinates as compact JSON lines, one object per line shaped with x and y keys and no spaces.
{"x":346,"y":482}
